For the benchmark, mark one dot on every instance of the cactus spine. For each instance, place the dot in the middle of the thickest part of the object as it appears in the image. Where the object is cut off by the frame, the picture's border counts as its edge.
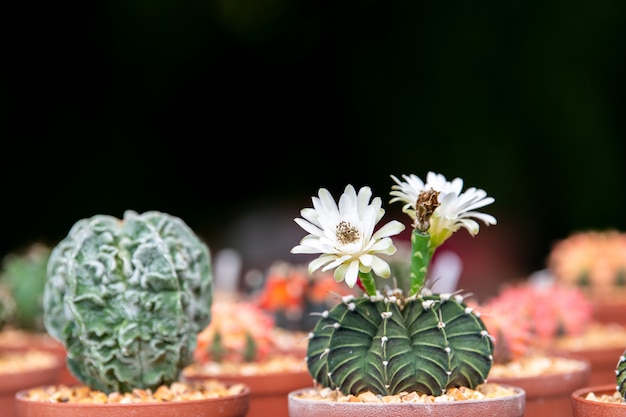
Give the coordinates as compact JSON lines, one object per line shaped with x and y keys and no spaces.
{"x":389,"y":343}
{"x":127,"y":299}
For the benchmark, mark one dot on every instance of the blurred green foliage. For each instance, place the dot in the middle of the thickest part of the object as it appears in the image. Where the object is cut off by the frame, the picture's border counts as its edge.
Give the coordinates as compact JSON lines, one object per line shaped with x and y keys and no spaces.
{"x":24,"y":276}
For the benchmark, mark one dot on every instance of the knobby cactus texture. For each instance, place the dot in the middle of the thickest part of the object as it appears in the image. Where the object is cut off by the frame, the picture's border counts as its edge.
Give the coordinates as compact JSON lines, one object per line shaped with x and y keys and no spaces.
{"x":386,"y":345}
{"x":127,"y":299}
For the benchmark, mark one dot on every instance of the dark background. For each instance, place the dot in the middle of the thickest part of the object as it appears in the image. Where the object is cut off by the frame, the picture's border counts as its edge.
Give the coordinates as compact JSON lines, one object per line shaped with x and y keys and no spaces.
{"x":232,"y":113}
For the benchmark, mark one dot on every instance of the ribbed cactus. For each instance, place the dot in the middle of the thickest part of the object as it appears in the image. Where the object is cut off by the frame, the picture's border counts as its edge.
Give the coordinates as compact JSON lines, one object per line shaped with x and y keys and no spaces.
{"x":127,"y":299}
{"x":389,"y":344}
{"x":397,"y":339}
{"x":620,"y":373}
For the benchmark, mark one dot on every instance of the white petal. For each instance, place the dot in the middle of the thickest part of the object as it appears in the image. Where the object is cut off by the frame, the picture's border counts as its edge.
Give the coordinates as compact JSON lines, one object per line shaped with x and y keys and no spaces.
{"x":316,"y":263}
{"x":348,"y":202}
{"x":336,"y":262}
{"x":312,"y":229}
{"x":366,"y":259}
{"x":326,"y":204}
{"x":340,"y":272}
{"x":485,"y":218}
{"x":311,"y":216}
{"x":390,"y":229}
{"x":383,"y":246}
{"x":381,"y":268}
{"x":471,"y":226}
{"x":352,"y":274}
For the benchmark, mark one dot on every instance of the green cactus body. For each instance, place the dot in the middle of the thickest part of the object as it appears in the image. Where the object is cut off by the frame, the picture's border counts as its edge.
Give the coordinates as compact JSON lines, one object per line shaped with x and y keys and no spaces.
{"x":620,"y":373}
{"x":25,"y":276}
{"x":7,"y":307}
{"x":426,"y":343}
{"x":127,"y":299}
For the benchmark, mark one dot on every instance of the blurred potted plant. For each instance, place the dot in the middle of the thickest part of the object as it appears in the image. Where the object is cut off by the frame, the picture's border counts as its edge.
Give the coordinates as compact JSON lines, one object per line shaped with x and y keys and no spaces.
{"x":608,"y":400}
{"x":243,"y":344}
{"x":416,"y":353}
{"x":127,"y":297}
{"x":295,"y":298}
{"x":20,"y":370}
{"x":22,"y":367}
{"x":525,"y":320}
{"x":24,"y":275}
{"x":595,"y":262}
{"x":600,"y":343}
{"x":7,"y":306}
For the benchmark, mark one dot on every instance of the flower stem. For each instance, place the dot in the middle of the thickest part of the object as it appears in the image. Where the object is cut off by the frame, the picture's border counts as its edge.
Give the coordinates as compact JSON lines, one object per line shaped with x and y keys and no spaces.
{"x":420,"y":258}
{"x":367,"y":283}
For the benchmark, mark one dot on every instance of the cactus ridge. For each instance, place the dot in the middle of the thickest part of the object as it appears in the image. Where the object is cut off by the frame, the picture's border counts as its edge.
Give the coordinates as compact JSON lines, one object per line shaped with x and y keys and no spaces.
{"x":389,"y":344}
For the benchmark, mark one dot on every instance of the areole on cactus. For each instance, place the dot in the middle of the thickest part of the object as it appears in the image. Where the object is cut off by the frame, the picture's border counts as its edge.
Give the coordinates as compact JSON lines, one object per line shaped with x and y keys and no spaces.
{"x":386,"y":341}
{"x":127,"y":299}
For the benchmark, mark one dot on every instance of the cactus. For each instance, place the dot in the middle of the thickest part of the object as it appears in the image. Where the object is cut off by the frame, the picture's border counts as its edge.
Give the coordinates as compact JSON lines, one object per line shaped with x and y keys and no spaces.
{"x":620,"y":373}
{"x":396,"y":339}
{"x":531,"y":316}
{"x":24,"y":274}
{"x":593,"y":260}
{"x":7,"y":307}
{"x":127,"y":299}
{"x":291,"y":295}
{"x":389,"y":344}
{"x":239,"y":332}
{"x":512,"y":331}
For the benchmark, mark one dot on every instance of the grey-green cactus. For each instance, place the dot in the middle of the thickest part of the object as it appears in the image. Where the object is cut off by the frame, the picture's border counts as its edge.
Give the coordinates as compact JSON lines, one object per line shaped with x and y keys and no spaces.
{"x":620,"y":373}
{"x":127,"y":299}
{"x":24,"y":274}
{"x":389,"y":343}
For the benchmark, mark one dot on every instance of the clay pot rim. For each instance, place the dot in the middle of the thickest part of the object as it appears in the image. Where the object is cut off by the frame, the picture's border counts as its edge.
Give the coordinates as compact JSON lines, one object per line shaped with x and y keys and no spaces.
{"x":519,"y":394}
{"x":238,"y":377}
{"x":270,"y":383}
{"x":574,"y":353}
{"x":54,"y":366}
{"x":579,"y":395}
{"x":584,"y":370}
{"x":20,"y":396}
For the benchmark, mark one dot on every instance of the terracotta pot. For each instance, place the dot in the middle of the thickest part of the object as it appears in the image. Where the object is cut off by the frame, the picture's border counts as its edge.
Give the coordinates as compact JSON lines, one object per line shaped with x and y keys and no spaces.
{"x":11,"y":383}
{"x":268,"y":392}
{"x":582,"y":407}
{"x":510,"y":406}
{"x":19,"y":340}
{"x":609,"y":311}
{"x":227,"y":406}
{"x":549,"y":395}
